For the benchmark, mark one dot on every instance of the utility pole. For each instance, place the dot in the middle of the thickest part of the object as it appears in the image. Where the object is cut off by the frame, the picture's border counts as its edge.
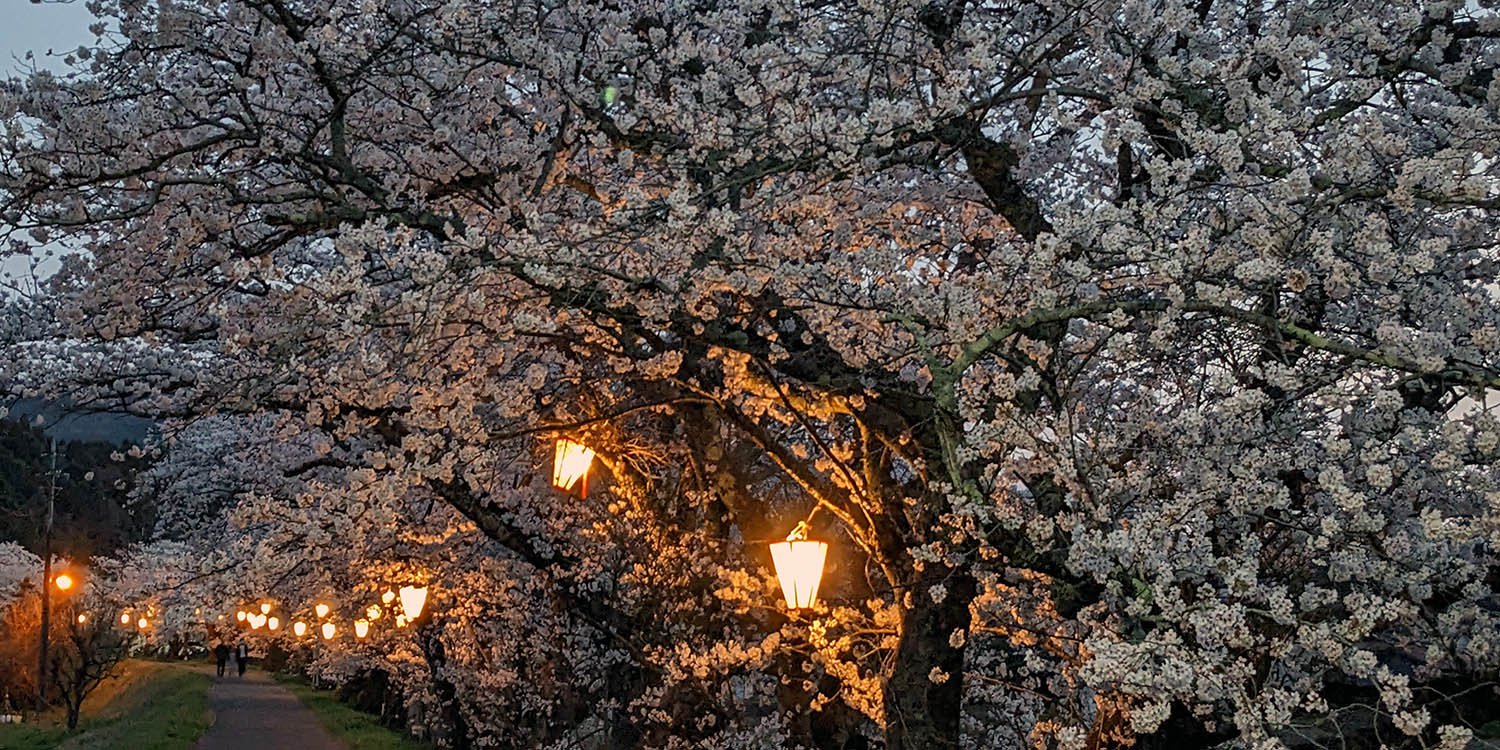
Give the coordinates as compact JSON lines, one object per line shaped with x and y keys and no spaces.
{"x":41,"y":652}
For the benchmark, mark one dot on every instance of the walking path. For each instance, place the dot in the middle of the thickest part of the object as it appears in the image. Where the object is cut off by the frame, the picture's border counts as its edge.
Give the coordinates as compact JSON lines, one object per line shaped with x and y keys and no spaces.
{"x":254,"y":713}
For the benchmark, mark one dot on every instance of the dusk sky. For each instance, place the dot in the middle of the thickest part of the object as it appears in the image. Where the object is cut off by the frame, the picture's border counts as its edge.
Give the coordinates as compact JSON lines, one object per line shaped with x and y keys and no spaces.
{"x":37,"y":28}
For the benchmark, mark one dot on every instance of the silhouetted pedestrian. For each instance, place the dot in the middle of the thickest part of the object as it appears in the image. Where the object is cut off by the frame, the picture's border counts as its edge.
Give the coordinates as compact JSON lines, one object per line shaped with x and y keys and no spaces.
{"x":242,"y":656}
{"x":221,"y":656}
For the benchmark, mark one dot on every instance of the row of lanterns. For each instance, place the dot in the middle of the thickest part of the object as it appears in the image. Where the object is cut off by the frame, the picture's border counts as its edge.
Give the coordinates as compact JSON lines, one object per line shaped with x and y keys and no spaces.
{"x":413,"y":601}
{"x":798,"y":560}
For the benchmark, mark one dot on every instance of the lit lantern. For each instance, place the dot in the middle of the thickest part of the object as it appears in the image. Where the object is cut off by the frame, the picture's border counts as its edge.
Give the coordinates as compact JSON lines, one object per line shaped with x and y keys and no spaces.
{"x":372,"y":612}
{"x":361,"y":628}
{"x":799,"y":567}
{"x":299,"y":628}
{"x":63,"y":581}
{"x":240,"y":615}
{"x":322,"y":610}
{"x":388,"y":597}
{"x":400,"y":621}
{"x":273,"y":623}
{"x":124,"y":618}
{"x":413,"y":599}
{"x":265,"y":608}
{"x":257,"y":622}
{"x":83,"y":619}
{"x":328,"y":631}
{"x":143,"y":623}
{"x":570,"y":464}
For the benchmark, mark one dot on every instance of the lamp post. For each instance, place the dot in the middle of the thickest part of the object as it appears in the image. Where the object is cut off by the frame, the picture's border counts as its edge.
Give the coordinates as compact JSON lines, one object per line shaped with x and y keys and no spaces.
{"x":41,"y":651}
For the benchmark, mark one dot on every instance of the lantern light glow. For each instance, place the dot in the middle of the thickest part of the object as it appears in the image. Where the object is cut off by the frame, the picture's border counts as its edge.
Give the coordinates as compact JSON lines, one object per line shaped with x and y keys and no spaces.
{"x":799,"y":567}
{"x":373,"y":612}
{"x":328,"y":631}
{"x":321,"y":610}
{"x":143,"y":623}
{"x":388,"y":597}
{"x":240,"y":615}
{"x":265,"y":608}
{"x":124,"y":618}
{"x":361,"y":628}
{"x":273,"y":623}
{"x":299,"y":628}
{"x":413,"y":599}
{"x":570,"y":464}
{"x":83,"y":619}
{"x":63,"y":581}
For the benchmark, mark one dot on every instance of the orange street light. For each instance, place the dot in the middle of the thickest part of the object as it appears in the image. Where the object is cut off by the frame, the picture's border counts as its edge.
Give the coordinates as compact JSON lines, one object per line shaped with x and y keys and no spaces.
{"x":124,"y":618}
{"x":799,"y":567}
{"x":570,"y":464}
{"x":322,"y":610}
{"x":299,"y":628}
{"x":265,"y":608}
{"x":83,"y":619}
{"x":361,"y":628}
{"x":273,"y":623}
{"x":143,"y":623}
{"x":328,"y":631}
{"x":63,"y":581}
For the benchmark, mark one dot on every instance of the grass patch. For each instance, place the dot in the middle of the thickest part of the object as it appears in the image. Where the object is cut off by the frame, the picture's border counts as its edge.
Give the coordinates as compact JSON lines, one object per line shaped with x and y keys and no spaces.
{"x":360,"y":730}
{"x":155,"y":707}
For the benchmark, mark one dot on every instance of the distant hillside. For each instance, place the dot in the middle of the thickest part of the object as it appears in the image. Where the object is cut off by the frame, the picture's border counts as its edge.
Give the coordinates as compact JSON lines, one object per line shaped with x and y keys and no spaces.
{"x":93,"y":512}
{"x":60,"y":423}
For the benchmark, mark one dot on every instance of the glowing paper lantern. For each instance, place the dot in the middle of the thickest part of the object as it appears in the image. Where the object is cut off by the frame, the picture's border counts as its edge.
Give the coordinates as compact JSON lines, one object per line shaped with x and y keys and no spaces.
{"x":372,"y":612}
{"x":413,"y":599}
{"x":143,"y":623}
{"x":799,"y":567}
{"x":570,"y":464}
{"x":321,"y":610}
{"x":328,"y":631}
{"x":361,"y":628}
{"x":388,"y":597}
{"x":124,"y":618}
{"x":299,"y":628}
{"x":240,"y":615}
{"x":63,"y":581}
{"x":265,"y":608}
{"x":273,"y":623}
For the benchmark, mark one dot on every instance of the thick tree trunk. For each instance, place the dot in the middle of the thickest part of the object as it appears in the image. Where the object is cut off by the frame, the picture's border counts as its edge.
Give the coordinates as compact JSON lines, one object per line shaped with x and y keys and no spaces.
{"x":922,"y":713}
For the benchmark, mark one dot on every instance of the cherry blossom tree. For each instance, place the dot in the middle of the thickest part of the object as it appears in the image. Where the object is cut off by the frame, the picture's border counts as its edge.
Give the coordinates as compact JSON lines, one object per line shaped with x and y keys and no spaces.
{"x":1132,"y":355}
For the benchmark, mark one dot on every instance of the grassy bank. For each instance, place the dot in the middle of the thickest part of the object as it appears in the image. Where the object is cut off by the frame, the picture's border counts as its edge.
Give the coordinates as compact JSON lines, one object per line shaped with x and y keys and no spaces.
{"x":361,"y":731}
{"x":146,"y":706}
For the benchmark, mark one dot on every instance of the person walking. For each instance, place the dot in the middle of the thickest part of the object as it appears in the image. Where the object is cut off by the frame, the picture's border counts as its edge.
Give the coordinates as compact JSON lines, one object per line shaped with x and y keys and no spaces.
{"x":242,"y":657}
{"x":221,"y":656}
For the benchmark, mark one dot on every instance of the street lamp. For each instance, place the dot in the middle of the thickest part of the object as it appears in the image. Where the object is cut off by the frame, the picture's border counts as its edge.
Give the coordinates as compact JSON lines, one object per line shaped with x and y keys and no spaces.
{"x":63,"y":582}
{"x":570,"y":464}
{"x":328,"y":631}
{"x":361,"y":628}
{"x":799,"y":567}
{"x":321,"y":610}
{"x":299,"y":628}
{"x":413,"y":599}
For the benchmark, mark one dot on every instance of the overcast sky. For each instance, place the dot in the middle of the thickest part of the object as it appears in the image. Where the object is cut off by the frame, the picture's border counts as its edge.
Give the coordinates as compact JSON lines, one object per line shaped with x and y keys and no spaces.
{"x":37,"y":28}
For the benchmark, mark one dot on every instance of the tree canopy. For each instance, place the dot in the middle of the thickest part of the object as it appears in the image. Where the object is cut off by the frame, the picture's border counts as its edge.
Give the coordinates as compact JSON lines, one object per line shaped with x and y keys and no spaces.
{"x":1132,"y":356}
